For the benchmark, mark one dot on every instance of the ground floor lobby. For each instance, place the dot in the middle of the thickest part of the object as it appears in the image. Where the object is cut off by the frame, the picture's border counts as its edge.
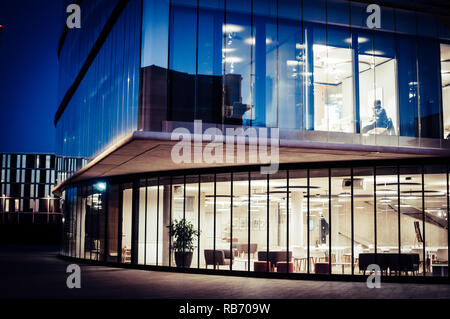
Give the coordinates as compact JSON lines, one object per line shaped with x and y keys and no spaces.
{"x":321,"y":218}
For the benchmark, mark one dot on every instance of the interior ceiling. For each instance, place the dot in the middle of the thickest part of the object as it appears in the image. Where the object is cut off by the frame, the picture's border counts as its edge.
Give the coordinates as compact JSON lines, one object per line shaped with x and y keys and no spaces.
{"x":143,"y":152}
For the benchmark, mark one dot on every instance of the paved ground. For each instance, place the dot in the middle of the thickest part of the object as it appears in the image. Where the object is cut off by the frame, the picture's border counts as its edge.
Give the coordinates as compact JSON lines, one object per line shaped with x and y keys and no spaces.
{"x":27,"y":272}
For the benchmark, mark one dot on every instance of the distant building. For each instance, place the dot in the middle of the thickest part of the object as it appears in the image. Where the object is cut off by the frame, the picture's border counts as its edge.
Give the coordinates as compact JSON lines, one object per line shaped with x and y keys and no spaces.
{"x":26,"y":184}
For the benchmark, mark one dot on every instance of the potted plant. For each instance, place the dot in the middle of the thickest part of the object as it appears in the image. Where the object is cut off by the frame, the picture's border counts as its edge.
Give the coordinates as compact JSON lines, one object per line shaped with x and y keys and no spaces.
{"x":183,"y":244}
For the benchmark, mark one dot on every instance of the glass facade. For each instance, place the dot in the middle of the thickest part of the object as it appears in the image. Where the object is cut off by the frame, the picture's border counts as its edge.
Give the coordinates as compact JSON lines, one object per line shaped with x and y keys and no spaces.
{"x":104,"y":107}
{"x":306,"y":219}
{"x":305,"y":65}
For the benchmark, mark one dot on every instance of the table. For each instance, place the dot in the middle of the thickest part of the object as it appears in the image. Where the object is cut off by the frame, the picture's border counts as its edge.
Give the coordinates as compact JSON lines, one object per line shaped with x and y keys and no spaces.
{"x":440,"y":270}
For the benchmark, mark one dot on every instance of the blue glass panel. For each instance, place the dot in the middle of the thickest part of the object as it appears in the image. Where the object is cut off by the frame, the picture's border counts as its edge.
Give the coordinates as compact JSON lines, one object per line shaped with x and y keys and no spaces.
{"x":407,"y":85}
{"x":292,"y":65}
{"x":104,"y":106}
{"x":429,"y":83}
{"x":265,"y":63}
{"x":155,"y":33}
{"x":338,"y":12}
{"x":358,"y":14}
{"x":314,"y":10}
{"x":238,"y":79}
{"x":426,"y":25}
{"x":209,"y":62}
{"x":405,"y":22}
{"x":182,"y":61}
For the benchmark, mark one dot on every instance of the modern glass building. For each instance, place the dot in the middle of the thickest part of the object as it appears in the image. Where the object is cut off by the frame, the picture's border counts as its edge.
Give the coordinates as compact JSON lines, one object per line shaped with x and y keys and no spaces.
{"x":362,"y":119}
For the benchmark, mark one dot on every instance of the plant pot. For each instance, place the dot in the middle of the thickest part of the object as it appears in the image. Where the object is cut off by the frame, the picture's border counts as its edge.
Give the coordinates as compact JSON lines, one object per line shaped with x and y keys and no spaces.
{"x":183,"y":259}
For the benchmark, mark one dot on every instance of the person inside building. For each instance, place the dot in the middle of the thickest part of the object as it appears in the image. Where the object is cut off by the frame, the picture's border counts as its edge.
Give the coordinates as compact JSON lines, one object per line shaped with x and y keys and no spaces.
{"x":381,"y":120}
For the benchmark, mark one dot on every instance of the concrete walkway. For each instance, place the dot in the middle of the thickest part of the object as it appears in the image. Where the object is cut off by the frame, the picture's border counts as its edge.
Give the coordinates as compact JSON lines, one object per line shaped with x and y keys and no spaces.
{"x":30,"y":272}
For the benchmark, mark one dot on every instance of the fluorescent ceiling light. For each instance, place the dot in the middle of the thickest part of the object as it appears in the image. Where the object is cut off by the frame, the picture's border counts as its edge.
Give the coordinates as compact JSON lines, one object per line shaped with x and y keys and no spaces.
{"x":233,"y":59}
{"x":232,"y":28}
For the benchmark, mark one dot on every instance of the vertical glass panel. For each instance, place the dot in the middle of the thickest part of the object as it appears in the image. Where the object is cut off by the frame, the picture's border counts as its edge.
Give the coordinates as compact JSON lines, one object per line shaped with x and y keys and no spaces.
{"x":238,"y":81}
{"x":377,"y":85}
{"x":192,"y":214}
{"x":427,"y":25}
{"x":113,"y":223}
{"x":86,"y":223}
{"x":178,"y":215}
{"x":207,"y":225}
{"x":258,"y":223}
{"x":411,"y":217}
{"x":224,"y":254}
{"x":341,"y":235}
{"x":319,"y":217}
{"x":428,"y":64}
{"x":314,"y":10}
{"x":299,"y":225}
{"x":338,"y":12}
{"x":387,"y":218}
{"x":155,"y":32}
{"x":277,"y":223}
{"x":291,"y":65}
{"x":154,"y":223}
{"x":165,"y":214}
{"x":99,"y":202}
{"x":127,"y":199}
{"x":209,"y":65}
{"x":333,"y":83}
{"x":265,"y":51}
{"x":182,"y":64}
{"x":143,"y":219}
{"x":405,"y":22}
{"x":436,"y":219}
{"x":363,"y":218}
{"x":240,"y":219}
{"x":407,"y":86}
{"x":445,"y":82}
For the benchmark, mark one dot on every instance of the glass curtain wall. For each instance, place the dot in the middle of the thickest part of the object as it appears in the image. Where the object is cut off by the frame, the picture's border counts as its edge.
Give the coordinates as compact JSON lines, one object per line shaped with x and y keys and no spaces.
{"x":255,"y":63}
{"x":331,"y":220}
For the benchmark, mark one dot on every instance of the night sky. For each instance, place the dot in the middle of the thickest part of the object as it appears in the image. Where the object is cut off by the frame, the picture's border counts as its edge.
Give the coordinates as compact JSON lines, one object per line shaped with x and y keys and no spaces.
{"x":29,"y":73}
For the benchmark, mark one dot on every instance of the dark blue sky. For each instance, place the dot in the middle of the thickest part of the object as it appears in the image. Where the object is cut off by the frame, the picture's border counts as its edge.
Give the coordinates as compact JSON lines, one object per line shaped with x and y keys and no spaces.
{"x":29,"y":73}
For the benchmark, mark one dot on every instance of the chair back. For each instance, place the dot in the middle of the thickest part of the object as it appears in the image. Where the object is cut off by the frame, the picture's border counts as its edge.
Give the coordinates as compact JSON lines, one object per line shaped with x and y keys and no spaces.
{"x":209,"y":257}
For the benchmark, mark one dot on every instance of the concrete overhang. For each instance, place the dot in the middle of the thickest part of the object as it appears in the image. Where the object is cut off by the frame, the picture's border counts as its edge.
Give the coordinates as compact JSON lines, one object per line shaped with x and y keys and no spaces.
{"x":144,"y":151}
